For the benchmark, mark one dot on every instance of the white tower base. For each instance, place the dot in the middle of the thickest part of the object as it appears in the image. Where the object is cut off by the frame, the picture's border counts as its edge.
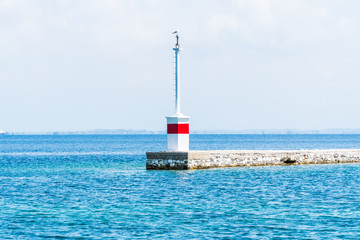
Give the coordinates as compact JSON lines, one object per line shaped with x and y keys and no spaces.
{"x":178,"y":133}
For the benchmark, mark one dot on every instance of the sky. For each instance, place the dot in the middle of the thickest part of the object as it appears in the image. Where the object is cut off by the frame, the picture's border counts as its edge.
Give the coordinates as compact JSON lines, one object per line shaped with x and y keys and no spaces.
{"x":246,"y":64}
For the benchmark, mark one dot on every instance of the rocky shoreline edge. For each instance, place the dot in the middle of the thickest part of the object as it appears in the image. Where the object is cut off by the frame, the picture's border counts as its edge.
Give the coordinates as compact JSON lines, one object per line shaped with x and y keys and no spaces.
{"x":246,"y":158}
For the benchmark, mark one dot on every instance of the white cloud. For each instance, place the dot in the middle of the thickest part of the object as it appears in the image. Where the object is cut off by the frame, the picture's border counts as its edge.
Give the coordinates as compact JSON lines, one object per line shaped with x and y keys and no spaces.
{"x":115,"y":57}
{"x":344,"y":22}
{"x":217,"y":24}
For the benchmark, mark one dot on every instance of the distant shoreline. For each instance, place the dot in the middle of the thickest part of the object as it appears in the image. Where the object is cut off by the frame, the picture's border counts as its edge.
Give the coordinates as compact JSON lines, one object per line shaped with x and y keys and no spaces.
{"x":149,"y":132}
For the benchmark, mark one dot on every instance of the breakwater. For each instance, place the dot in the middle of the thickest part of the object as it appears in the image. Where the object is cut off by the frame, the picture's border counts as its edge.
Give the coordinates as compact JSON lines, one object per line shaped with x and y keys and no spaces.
{"x":244,"y":158}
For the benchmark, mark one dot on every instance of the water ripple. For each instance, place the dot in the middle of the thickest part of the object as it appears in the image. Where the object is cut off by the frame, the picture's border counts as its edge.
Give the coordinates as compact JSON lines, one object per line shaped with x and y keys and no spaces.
{"x":89,"y":192}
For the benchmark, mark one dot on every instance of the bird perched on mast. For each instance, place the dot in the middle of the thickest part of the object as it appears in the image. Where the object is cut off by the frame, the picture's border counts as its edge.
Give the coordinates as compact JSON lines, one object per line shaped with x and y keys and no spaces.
{"x":177,"y":38}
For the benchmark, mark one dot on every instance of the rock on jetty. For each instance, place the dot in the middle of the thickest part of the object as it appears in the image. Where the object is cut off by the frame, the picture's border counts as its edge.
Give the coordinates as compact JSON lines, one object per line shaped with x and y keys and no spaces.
{"x":245,"y":158}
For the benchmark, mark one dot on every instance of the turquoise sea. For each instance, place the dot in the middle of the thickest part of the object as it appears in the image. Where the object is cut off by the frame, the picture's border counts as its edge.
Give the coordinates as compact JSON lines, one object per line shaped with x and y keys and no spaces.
{"x":96,"y":187}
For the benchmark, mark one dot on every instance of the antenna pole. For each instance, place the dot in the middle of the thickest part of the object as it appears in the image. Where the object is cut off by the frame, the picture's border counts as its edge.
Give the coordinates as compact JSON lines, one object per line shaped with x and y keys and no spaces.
{"x":177,"y":79}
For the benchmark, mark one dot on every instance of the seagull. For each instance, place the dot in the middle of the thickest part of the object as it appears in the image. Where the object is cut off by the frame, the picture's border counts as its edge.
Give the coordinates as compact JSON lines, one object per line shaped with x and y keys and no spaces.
{"x":177,"y":38}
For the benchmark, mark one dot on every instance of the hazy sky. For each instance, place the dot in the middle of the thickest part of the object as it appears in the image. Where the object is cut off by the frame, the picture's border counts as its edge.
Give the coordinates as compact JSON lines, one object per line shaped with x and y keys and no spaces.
{"x":246,"y":64}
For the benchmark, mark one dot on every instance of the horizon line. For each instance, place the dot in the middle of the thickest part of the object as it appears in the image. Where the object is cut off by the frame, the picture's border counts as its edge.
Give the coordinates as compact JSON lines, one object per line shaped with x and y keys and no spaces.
{"x":218,"y":131}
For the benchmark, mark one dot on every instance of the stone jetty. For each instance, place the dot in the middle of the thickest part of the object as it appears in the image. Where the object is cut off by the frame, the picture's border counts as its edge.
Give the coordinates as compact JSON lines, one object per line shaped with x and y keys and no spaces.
{"x":246,"y":158}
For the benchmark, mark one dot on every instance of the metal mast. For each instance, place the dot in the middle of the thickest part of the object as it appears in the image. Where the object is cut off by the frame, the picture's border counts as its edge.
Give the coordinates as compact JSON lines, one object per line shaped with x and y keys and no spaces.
{"x":177,"y":124}
{"x":177,"y":50}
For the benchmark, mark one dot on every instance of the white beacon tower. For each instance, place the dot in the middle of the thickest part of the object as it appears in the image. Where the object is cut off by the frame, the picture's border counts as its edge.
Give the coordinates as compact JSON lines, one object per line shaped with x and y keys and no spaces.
{"x":177,"y":124}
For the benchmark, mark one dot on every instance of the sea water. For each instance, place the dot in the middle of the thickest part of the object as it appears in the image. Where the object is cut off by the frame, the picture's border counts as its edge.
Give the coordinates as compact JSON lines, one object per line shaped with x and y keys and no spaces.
{"x":96,"y":187}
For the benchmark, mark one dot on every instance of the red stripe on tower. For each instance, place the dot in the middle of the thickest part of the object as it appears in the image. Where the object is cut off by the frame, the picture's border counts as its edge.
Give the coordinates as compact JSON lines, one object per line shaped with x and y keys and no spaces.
{"x":178,"y":128}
